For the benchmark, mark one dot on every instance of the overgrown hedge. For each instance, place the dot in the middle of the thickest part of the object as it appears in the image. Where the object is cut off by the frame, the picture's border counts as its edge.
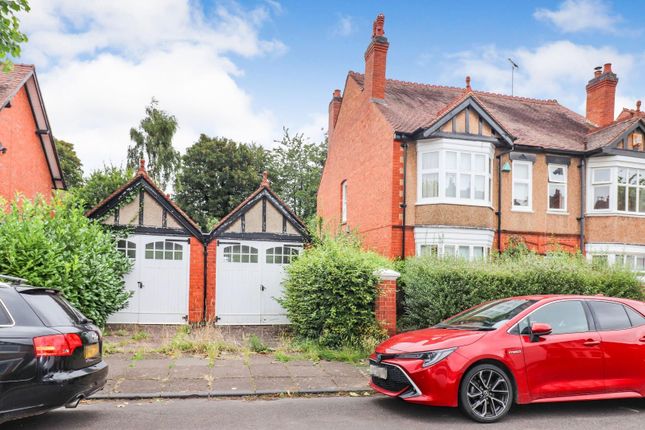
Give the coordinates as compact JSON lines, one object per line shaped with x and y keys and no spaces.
{"x":435,"y":289}
{"x":330,"y":291}
{"x":54,"y":245}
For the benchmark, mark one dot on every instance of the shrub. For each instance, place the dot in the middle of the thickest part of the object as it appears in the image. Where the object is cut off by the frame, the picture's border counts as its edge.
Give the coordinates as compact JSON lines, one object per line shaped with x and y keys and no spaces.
{"x":435,"y":289}
{"x":330,"y":292}
{"x":53,"y":245}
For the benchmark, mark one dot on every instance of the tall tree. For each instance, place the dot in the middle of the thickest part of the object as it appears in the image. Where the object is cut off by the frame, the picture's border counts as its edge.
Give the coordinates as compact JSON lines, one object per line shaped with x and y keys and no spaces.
{"x":216,"y":175}
{"x":153,"y":142}
{"x":10,"y":35}
{"x":296,"y":167}
{"x":70,"y":164}
{"x":101,"y":183}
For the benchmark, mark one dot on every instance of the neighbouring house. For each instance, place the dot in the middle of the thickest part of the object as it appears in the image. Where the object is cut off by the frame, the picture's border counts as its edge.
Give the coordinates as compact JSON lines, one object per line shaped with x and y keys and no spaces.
{"x":427,"y":169}
{"x":180,"y":274}
{"x":29,"y":163}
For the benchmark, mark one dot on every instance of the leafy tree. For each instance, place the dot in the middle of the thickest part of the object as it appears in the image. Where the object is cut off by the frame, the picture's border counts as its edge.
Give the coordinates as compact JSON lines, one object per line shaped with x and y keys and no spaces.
{"x":70,"y":164}
{"x":296,"y":167}
{"x":153,"y":142}
{"x":216,"y":175}
{"x":101,"y":183}
{"x":10,"y":35}
{"x":54,"y":245}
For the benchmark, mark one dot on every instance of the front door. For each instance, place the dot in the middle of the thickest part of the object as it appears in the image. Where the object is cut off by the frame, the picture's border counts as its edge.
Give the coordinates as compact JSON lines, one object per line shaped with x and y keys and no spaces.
{"x":567,"y":362}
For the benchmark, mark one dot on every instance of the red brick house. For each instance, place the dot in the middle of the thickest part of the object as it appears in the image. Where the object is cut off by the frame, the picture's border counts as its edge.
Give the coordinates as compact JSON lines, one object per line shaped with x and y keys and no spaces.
{"x":180,"y":274}
{"x":28,"y":160}
{"x":417,"y":168}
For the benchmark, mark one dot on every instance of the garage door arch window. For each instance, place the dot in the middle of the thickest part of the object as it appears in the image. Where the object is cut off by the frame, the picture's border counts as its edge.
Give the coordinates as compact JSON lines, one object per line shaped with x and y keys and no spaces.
{"x":164,"y":250}
{"x":240,"y":254}
{"x":281,"y":255}
{"x":127,"y":247}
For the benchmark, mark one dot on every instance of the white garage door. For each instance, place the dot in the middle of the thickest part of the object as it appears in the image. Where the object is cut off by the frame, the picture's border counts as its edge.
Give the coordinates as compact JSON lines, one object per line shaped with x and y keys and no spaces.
{"x":249,"y":279}
{"x":158,"y":280}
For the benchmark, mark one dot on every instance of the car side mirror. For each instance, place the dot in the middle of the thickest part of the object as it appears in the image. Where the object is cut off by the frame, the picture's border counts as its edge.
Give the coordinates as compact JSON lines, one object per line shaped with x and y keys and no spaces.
{"x":538,"y":330}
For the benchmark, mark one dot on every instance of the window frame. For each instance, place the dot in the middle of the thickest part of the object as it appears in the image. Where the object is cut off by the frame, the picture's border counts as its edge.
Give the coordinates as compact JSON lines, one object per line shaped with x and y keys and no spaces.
{"x":614,"y":164}
{"x":514,"y":329}
{"x":343,"y":202}
{"x":462,"y":149}
{"x":561,"y":183}
{"x":292,"y":254}
{"x":528,"y":182}
{"x":597,"y":323}
{"x":177,"y":248}
{"x":127,"y":248}
{"x":4,"y":308}
{"x":250,"y":254}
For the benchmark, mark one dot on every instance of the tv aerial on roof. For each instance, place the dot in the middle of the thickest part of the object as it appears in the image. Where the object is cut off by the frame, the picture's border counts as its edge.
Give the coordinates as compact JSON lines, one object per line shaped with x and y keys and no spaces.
{"x":513,"y":67}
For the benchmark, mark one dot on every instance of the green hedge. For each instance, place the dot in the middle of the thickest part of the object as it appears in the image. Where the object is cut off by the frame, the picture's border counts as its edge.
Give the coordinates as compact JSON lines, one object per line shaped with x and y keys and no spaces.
{"x":435,"y":289}
{"x":54,"y":245}
{"x":330,"y":291}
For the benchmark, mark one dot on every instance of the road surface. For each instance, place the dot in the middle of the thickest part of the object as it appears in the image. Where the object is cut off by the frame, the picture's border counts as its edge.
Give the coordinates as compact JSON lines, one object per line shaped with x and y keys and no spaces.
{"x":326,"y":413}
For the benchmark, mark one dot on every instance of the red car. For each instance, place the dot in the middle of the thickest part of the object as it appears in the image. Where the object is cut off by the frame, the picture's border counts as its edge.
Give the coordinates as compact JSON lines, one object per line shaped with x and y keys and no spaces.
{"x":529,"y":349}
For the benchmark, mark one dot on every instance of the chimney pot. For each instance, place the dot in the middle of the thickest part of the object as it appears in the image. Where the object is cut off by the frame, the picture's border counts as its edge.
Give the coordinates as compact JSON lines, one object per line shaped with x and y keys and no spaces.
{"x":336,"y":93}
{"x":638,"y":106}
{"x":597,"y":71}
{"x":607,"y":68}
{"x":468,"y":83}
{"x":377,"y":27}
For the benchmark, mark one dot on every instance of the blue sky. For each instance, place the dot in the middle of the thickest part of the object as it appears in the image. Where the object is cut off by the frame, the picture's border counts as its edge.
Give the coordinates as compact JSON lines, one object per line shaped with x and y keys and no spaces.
{"x":246,"y":69}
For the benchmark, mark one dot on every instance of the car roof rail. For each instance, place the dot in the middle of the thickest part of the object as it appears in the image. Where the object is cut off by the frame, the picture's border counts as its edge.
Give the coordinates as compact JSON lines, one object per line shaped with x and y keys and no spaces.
{"x":12,"y":279}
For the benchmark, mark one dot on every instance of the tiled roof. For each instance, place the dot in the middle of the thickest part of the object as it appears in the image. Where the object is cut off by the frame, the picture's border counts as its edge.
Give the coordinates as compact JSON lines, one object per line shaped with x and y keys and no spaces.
{"x":606,"y":135}
{"x":410,"y":106}
{"x":11,"y":82}
{"x":142,"y":175}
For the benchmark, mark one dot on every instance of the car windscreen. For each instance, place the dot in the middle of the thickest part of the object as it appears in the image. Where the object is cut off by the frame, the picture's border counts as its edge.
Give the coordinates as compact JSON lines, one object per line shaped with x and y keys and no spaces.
{"x":52,"y":309}
{"x":487,"y":316}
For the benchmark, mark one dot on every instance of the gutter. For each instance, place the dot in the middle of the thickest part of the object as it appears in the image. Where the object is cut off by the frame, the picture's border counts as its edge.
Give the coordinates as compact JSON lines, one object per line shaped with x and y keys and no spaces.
{"x":499,"y":196}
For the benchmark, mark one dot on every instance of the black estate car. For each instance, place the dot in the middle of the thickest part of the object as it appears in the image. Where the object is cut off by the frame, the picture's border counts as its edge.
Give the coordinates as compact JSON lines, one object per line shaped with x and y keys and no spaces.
{"x":50,"y":354}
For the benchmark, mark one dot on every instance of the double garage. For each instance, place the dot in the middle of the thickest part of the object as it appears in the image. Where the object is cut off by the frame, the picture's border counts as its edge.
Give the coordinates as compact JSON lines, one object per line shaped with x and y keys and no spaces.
{"x":232,"y":275}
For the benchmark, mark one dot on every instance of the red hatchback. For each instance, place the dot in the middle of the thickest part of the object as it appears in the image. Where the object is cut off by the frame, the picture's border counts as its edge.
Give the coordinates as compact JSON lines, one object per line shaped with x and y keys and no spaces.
{"x":528,"y":349}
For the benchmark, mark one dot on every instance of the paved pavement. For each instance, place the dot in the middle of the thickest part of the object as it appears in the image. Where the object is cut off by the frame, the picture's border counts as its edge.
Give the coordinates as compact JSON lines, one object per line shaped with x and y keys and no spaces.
{"x":255,"y":374}
{"x":327,"y":412}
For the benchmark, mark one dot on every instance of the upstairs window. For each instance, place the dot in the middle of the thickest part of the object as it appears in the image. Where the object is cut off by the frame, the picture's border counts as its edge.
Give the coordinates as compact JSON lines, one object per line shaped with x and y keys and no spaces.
{"x":522,"y":185}
{"x":343,"y":202}
{"x":557,"y":187}
{"x":601,"y":188}
{"x":631,"y":190}
{"x":449,"y":174}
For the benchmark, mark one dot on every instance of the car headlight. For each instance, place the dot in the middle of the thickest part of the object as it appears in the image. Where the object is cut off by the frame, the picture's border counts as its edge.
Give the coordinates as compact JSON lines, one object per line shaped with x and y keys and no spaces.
{"x":429,"y":357}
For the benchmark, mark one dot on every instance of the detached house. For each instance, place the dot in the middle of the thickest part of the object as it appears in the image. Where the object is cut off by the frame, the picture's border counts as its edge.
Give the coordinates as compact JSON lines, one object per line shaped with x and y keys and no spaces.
{"x":29,"y":164}
{"x":418,"y":168}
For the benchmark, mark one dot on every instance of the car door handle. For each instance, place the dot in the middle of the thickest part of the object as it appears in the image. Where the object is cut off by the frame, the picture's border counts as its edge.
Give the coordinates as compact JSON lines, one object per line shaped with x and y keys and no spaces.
{"x":642,"y":339}
{"x":591,"y":342}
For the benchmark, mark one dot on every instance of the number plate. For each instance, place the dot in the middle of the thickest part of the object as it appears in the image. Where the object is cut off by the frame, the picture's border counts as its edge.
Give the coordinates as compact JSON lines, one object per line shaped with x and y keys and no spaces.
{"x":378,"y":371}
{"x":92,"y":351}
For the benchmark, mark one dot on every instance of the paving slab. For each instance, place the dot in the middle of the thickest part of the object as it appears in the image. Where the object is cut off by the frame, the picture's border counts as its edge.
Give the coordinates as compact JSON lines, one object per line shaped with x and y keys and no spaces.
{"x":275,"y":384}
{"x":232,"y":384}
{"x":315,"y":382}
{"x":230,"y":370}
{"x":140,"y":386}
{"x":310,"y":370}
{"x":351,"y":382}
{"x":334,"y":368}
{"x":148,"y":369}
{"x":186,"y":385}
{"x":274,"y":370}
{"x":190,"y":368}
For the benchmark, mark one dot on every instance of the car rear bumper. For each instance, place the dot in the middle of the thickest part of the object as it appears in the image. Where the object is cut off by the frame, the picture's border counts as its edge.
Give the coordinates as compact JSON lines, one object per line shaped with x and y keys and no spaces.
{"x":56,"y":390}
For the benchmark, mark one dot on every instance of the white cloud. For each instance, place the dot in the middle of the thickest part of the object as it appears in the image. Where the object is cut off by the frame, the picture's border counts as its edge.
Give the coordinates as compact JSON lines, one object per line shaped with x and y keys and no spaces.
{"x":101,"y":62}
{"x":344,"y":26}
{"x":558,"y":70}
{"x":580,"y":15}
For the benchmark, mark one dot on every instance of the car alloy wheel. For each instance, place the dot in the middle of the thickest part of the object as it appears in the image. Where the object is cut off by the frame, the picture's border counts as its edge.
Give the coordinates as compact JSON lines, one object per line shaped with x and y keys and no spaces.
{"x":486,"y":393}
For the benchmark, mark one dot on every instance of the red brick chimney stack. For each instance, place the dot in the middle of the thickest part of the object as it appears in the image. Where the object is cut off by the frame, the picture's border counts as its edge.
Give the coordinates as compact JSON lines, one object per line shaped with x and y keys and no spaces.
{"x":375,"y":59}
{"x":334,"y":109}
{"x":601,"y":96}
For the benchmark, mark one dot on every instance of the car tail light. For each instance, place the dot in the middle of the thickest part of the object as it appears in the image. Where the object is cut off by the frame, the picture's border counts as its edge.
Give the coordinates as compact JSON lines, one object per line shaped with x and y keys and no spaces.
{"x":58,"y":345}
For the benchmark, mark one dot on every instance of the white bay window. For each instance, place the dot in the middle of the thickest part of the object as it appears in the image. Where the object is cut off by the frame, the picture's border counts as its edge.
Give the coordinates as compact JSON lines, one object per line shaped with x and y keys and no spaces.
{"x":616,"y":186}
{"x":457,"y":172}
{"x":453,"y":242}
